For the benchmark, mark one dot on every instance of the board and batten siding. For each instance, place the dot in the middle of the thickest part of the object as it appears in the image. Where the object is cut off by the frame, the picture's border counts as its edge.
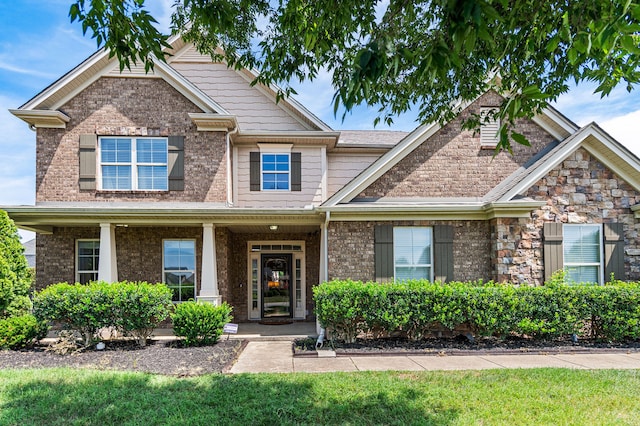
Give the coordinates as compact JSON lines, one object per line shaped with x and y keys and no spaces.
{"x":253,"y":109}
{"x":310,"y":191}
{"x":343,"y":168}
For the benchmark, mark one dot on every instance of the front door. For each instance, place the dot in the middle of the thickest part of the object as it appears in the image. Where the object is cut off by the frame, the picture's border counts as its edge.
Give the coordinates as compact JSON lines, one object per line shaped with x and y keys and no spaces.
{"x":276,"y":285}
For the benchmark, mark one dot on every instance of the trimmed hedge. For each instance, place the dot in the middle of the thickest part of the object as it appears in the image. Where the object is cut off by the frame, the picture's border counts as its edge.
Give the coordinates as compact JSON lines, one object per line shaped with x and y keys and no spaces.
{"x":200,"y":323}
{"x":417,"y":309}
{"x":21,"y":331}
{"x":134,"y":308}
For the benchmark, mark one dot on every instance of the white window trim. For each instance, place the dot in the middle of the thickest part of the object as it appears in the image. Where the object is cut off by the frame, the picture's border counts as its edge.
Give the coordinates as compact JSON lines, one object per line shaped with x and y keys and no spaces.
{"x":133,"y":164}
{"x":195,"y":265}
{"x":275,"y":148}
{"x":78,"y":271}
{"x":600,"y":264}
{"x":429,"y":265}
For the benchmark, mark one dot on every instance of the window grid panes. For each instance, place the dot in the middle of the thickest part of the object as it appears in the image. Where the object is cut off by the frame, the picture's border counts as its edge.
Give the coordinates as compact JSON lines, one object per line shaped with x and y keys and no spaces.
{"x":275,"y":171}
{"x":582,"y":251}
{"x":412,"y":253}
{"x":179,"y":274}
{"x":87,"y":257}
{"x":134,"y":164}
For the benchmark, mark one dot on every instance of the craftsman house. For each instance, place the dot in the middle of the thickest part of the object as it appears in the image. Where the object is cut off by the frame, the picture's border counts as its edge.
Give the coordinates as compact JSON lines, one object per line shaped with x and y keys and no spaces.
{"x":192,"y":177}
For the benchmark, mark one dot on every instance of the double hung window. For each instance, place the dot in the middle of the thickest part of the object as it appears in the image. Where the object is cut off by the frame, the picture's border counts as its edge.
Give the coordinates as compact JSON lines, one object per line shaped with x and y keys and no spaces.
{"x":87,"y":257}
{"x":412,"y":252}
{"x":134,"y":164}
{"x":179,"y":268}
{"x":275,"y":171}
{"x":582,"y":253}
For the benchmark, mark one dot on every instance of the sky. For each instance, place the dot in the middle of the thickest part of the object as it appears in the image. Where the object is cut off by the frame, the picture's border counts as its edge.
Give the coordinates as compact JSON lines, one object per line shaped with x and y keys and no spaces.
{"x":38,"y":44}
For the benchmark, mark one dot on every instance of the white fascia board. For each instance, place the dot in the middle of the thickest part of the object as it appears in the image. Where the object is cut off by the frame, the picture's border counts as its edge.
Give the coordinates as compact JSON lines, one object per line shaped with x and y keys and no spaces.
{"x":383,"y":164}
{"x":454,"y":211}
{"x":560,"y":120}
{"x":581,"y":139}
{"x":65,"y":79}
{"x":612,"y":145}
{"x":36,"y":217}
{"x":45,"y":119}
{"x":548,"y":165}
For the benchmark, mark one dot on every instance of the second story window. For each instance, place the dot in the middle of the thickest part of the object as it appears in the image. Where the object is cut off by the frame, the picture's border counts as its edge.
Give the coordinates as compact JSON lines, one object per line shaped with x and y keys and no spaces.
{"x":275,"y":171}
{"x":134,"y":164}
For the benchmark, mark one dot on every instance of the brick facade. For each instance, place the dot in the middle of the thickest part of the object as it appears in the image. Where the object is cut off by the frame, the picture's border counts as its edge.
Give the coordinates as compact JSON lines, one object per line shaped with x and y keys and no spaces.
{"x":130,"y":107}
{"x":351,"y":249}
{"x":452,"y":164}
{"x":139,"y":254}
{"x":580,"y":190}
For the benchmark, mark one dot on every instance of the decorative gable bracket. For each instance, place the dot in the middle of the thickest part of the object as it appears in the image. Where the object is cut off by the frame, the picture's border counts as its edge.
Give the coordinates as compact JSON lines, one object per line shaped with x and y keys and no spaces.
{"x":42,"y":119}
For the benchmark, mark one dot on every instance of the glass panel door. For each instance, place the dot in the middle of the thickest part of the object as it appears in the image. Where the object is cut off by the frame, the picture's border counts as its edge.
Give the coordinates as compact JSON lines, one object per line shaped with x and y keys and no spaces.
{"x":276,"y":285}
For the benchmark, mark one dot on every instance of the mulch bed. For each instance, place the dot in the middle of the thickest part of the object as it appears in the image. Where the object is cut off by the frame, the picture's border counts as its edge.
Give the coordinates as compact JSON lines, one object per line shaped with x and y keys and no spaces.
{"x":462,"y":346}
{"x":159,"y":357}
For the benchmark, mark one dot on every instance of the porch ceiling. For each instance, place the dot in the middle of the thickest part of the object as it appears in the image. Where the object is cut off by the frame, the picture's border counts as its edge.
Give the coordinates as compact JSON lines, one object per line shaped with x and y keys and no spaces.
{"x":282,"y":229}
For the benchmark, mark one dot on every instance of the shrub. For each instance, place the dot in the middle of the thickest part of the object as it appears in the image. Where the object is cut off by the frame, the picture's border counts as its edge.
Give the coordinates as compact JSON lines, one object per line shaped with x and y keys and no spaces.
{"x":15,"y":276}
{"x":21,"y":331}
{"x":82,"y":308}
{"x":418,"y":308}
{"x":140,"y":307}
{"x":200,"y":323}
{"x":134,"y":308}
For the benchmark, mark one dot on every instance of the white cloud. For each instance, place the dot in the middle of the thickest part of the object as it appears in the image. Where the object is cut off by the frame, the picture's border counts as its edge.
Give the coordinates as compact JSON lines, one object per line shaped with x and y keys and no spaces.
{"x":625,"y":129}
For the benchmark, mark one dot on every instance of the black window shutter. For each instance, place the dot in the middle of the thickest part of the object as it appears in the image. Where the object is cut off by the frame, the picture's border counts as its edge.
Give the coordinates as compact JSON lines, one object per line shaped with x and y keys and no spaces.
{"x":614,"y":251}
{"x":553,"y":255}
{"x":443,"y":253}
{"x":254,"y":171}
{"x":296,"y":171}
{"x":87,"y":156}
{"x":176,"y":163}
{"x":383,"y":240}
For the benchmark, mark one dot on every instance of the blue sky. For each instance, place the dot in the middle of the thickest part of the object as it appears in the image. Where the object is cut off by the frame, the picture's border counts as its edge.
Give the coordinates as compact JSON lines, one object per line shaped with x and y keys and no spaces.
{"x":38,"y":45}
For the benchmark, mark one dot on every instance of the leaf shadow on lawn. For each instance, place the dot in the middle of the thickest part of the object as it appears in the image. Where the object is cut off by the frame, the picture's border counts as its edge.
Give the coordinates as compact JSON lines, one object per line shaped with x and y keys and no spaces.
{"x":66,"y":396}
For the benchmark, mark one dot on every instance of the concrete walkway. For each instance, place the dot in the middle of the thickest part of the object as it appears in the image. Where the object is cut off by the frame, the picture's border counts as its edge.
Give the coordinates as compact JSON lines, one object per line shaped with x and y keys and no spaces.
{"x":277,"y":357}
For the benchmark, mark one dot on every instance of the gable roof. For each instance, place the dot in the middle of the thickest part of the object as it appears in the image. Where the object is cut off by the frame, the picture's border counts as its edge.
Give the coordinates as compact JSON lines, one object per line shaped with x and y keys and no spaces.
{"x":100,"y":64}
{"x":549,"y":119}
{"x":593,"y":139}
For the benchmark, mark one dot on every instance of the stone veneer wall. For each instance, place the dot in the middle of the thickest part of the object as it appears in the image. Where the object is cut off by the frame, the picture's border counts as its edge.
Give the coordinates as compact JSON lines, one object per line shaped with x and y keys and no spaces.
{"x":351,"y":249}
{"x":238,"y":280}
{"x":451,"y":163}
{"x":580,"y":190}
{"x":129,"y":107}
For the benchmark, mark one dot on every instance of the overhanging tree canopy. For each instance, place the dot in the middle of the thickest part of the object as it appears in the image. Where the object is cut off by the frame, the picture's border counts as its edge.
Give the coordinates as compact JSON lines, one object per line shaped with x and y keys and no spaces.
{"x":398,"y":54}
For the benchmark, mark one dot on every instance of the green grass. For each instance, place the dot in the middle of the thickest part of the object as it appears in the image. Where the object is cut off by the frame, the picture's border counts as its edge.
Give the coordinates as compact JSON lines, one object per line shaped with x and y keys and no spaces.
{"x":491,"y":397}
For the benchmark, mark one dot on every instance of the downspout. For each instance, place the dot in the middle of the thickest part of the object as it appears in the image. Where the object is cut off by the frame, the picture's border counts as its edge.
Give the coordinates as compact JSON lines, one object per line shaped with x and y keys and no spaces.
{"x":324,"y":271}
{"x":229,"y":175}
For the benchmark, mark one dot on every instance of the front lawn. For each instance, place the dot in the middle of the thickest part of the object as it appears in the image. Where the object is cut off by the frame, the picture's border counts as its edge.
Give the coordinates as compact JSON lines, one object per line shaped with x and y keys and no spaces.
{"x":542,"y":396}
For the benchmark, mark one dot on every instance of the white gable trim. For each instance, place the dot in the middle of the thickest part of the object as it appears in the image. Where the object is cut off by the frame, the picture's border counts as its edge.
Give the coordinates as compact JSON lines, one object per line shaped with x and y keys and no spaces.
{"x":549,"y":119}
{"x":598,"y":143}
{"x":383,"y":164}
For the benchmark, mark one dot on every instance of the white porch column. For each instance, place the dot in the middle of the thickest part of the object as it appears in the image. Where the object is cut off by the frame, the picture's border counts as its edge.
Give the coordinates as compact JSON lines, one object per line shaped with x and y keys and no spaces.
{"x":209,"y":277}
{"x":107,"y":263}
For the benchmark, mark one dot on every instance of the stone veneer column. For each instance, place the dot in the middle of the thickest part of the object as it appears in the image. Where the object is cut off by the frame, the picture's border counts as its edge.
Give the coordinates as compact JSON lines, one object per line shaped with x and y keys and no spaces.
{"x":209,"y":280}
{"x":108,"y":263}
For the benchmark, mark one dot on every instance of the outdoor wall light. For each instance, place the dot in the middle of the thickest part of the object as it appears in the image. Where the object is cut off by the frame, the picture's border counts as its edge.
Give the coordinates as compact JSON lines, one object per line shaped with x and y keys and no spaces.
{"x":273,"y":227}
